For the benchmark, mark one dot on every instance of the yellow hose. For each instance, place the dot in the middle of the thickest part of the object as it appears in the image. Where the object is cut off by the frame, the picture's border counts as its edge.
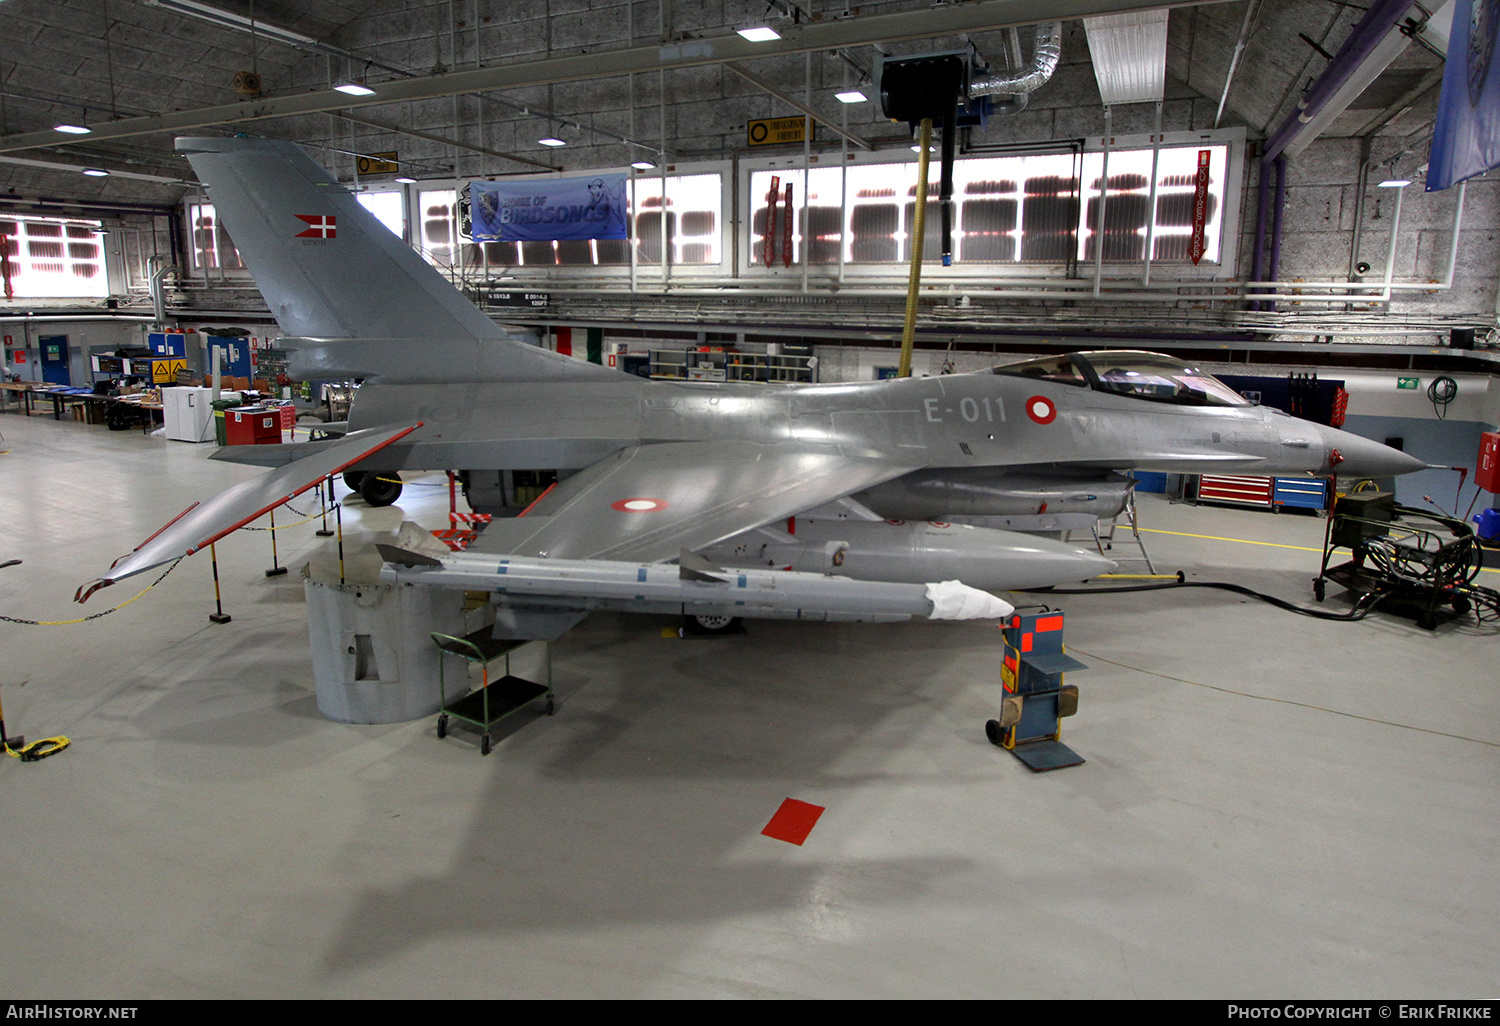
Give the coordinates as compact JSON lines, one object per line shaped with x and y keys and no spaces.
{"x":909,"y":330}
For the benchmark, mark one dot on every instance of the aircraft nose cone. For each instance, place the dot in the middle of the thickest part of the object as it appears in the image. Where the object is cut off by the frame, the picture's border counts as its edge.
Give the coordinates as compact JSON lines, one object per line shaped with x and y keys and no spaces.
{"x":1363,"y":457}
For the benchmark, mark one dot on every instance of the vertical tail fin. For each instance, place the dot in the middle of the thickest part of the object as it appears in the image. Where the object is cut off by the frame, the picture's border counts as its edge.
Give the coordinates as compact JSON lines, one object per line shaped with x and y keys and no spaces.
{"x":326,"y":266}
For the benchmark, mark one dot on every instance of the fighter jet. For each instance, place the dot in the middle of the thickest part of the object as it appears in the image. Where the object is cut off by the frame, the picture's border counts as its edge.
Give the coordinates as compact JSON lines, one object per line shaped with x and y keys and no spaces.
{"x":834,"y":486}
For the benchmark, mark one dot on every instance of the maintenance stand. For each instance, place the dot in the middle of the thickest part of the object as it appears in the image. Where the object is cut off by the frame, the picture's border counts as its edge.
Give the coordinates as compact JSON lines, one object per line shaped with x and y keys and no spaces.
{"x":1036,"y":699}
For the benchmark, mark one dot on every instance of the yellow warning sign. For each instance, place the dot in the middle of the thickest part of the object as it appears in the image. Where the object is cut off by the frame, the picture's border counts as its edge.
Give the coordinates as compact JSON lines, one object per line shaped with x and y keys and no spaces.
{"x":379,"y":164}
{"x":164,"y":372}
{"x":778,"y":131}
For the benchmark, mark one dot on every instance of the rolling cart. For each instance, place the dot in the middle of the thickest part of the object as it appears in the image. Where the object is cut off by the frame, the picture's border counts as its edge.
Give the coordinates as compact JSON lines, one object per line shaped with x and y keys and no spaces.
{"x":1412,"y":561}
{"x":494,"y":700}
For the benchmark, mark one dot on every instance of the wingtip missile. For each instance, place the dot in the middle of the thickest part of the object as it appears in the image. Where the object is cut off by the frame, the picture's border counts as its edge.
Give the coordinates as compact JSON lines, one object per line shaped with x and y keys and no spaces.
{"x":662,"y":587}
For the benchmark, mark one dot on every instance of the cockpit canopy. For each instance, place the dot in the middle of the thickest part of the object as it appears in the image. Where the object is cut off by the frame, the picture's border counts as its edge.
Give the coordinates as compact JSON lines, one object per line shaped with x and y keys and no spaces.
{"x":1137,"y":374}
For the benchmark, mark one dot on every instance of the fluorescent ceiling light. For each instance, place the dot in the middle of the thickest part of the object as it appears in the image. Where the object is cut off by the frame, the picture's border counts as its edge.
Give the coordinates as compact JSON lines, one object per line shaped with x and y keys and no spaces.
{"x":760,"y":34}
{"x":642,"y":165}
{"x":550,"y":141}
{"x":96,"y":172}
{"x":403,"y":180}
{"x":852,"y":96}
{"x":231,"y":20}
{"x":49,"y":165}
{"x":1395,"y":183}
{"x":354,"y":89}
{"x":72,"y":129}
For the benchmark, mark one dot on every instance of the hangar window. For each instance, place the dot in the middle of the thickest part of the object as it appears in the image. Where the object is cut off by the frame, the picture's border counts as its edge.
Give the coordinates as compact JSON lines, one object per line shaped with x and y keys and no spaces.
{"x":388,"y":208}
{"x":437,"y":220}
{"x":1031,"y":208}
{"x":47,"y":258}
{"x":690,"y":218}
{"x":212,"y":248}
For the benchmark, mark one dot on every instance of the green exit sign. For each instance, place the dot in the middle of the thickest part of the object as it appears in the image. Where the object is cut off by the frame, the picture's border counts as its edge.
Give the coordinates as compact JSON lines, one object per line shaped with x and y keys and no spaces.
{"x":1411,"y":383}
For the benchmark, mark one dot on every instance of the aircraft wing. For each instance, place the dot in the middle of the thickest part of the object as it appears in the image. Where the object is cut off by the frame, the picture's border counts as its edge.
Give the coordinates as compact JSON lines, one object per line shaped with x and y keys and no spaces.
{"x":203,"y":523}
{"x":649,"y":502}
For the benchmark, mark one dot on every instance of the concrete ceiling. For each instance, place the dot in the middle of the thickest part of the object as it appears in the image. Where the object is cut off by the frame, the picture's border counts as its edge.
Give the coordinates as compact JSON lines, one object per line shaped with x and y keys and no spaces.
{"x":478,"y":78}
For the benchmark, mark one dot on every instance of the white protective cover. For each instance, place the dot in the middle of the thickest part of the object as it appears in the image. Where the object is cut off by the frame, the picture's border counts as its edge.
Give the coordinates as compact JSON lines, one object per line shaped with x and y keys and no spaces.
{"x":955,"y":600}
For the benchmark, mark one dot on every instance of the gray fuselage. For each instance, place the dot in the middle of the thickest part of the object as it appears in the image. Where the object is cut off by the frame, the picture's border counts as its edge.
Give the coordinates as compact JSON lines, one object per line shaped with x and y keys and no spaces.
{"x":964,"y":420}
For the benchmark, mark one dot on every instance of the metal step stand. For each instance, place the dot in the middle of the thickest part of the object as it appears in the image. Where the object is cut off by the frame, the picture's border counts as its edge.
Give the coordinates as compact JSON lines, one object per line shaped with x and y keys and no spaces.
{"x":1105,"y":539}
{"x":1036,"y":699}
{"x":494,"y":700}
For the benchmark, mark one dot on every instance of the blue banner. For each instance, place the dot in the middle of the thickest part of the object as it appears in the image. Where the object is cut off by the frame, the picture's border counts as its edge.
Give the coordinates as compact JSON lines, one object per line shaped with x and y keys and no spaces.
{"x":540,"y":209}
{"x":1466,"y":140}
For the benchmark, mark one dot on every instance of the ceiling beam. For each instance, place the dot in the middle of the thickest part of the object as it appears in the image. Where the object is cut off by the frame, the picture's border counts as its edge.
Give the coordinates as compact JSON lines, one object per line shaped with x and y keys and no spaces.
{"x":925,"y":23}
{"x":441,"y":140}
{"x":754,"y":79}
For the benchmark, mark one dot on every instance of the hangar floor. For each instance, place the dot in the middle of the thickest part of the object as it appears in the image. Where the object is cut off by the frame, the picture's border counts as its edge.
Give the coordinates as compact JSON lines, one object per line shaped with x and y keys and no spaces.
{"x":1272,"y":806}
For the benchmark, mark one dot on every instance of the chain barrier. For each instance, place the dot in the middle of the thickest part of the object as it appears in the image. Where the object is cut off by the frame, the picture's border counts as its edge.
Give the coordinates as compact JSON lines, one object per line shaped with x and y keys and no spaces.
{"x":95,"y":616}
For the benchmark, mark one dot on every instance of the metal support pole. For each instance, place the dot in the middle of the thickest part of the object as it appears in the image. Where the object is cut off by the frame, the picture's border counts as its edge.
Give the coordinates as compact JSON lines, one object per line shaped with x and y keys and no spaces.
{"x":338,"y":511}
{"x":1278,"y":205}
{"x":220,"y":616}
{"x":323,"y":497}
{"x":276,"y":568}
{"x":1109,"y":130}
{"x":1390,"y":253}
{"x":1151,"y":210}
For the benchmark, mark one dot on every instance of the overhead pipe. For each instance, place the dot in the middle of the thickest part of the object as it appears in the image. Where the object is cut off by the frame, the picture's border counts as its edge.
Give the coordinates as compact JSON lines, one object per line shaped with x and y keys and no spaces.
{"x":157,"y":268}
{"x":1278,"y":207}
{"x":1021,"y":83}
{"x":1234,"y":61}
{"x":1366,"y":35}
{"x":33,"y":318}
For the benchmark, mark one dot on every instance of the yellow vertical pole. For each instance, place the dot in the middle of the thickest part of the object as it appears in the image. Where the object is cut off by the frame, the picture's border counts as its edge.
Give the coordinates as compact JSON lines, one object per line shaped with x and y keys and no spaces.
{"x":919,"y":223}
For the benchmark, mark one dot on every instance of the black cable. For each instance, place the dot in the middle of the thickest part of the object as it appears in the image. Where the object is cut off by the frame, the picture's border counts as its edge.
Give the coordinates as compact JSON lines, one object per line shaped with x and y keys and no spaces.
{"x":1362,"y":606}
{"x":1442,"y":392}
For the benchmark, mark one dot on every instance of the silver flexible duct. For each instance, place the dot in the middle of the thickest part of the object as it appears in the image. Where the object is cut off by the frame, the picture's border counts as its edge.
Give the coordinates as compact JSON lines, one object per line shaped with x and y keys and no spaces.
{"x":1021,"y":83}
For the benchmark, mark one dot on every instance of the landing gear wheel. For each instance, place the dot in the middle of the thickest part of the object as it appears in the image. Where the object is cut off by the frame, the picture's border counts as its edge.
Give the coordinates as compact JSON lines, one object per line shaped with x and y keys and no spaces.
{"x":993,"y":732}
{"x":713,"y":626}
{"x":443,"y":725}
{"x":1461,"y":605}
{"x":352,"y":479}
{"x":379,"y":489}
{"x":551,"y":706}
{"x":484,"y":745}
{"x":1319,"y":589}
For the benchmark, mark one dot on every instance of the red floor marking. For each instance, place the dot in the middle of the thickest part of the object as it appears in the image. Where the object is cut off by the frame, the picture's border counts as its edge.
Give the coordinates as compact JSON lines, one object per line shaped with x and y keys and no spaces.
{"x":793,"y":821}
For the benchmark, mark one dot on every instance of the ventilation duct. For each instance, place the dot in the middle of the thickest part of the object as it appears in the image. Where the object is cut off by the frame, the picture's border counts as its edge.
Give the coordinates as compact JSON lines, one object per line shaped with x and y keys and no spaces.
{"x":1020,"y":84}
{"x":1130,"y":56}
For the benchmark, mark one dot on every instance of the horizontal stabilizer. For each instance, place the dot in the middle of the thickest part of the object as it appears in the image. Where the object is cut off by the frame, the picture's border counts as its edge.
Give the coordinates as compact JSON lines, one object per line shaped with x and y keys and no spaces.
{"x":202,"y":524}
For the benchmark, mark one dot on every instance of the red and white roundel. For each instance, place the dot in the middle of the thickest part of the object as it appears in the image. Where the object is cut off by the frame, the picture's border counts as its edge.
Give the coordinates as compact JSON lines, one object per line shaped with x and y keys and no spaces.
{"x":1040,"y":409}
{"x":639,"y":505}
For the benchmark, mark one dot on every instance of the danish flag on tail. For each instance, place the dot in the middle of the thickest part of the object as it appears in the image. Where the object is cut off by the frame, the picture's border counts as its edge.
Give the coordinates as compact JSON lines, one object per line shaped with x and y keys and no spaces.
{"x":322,"y":226}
